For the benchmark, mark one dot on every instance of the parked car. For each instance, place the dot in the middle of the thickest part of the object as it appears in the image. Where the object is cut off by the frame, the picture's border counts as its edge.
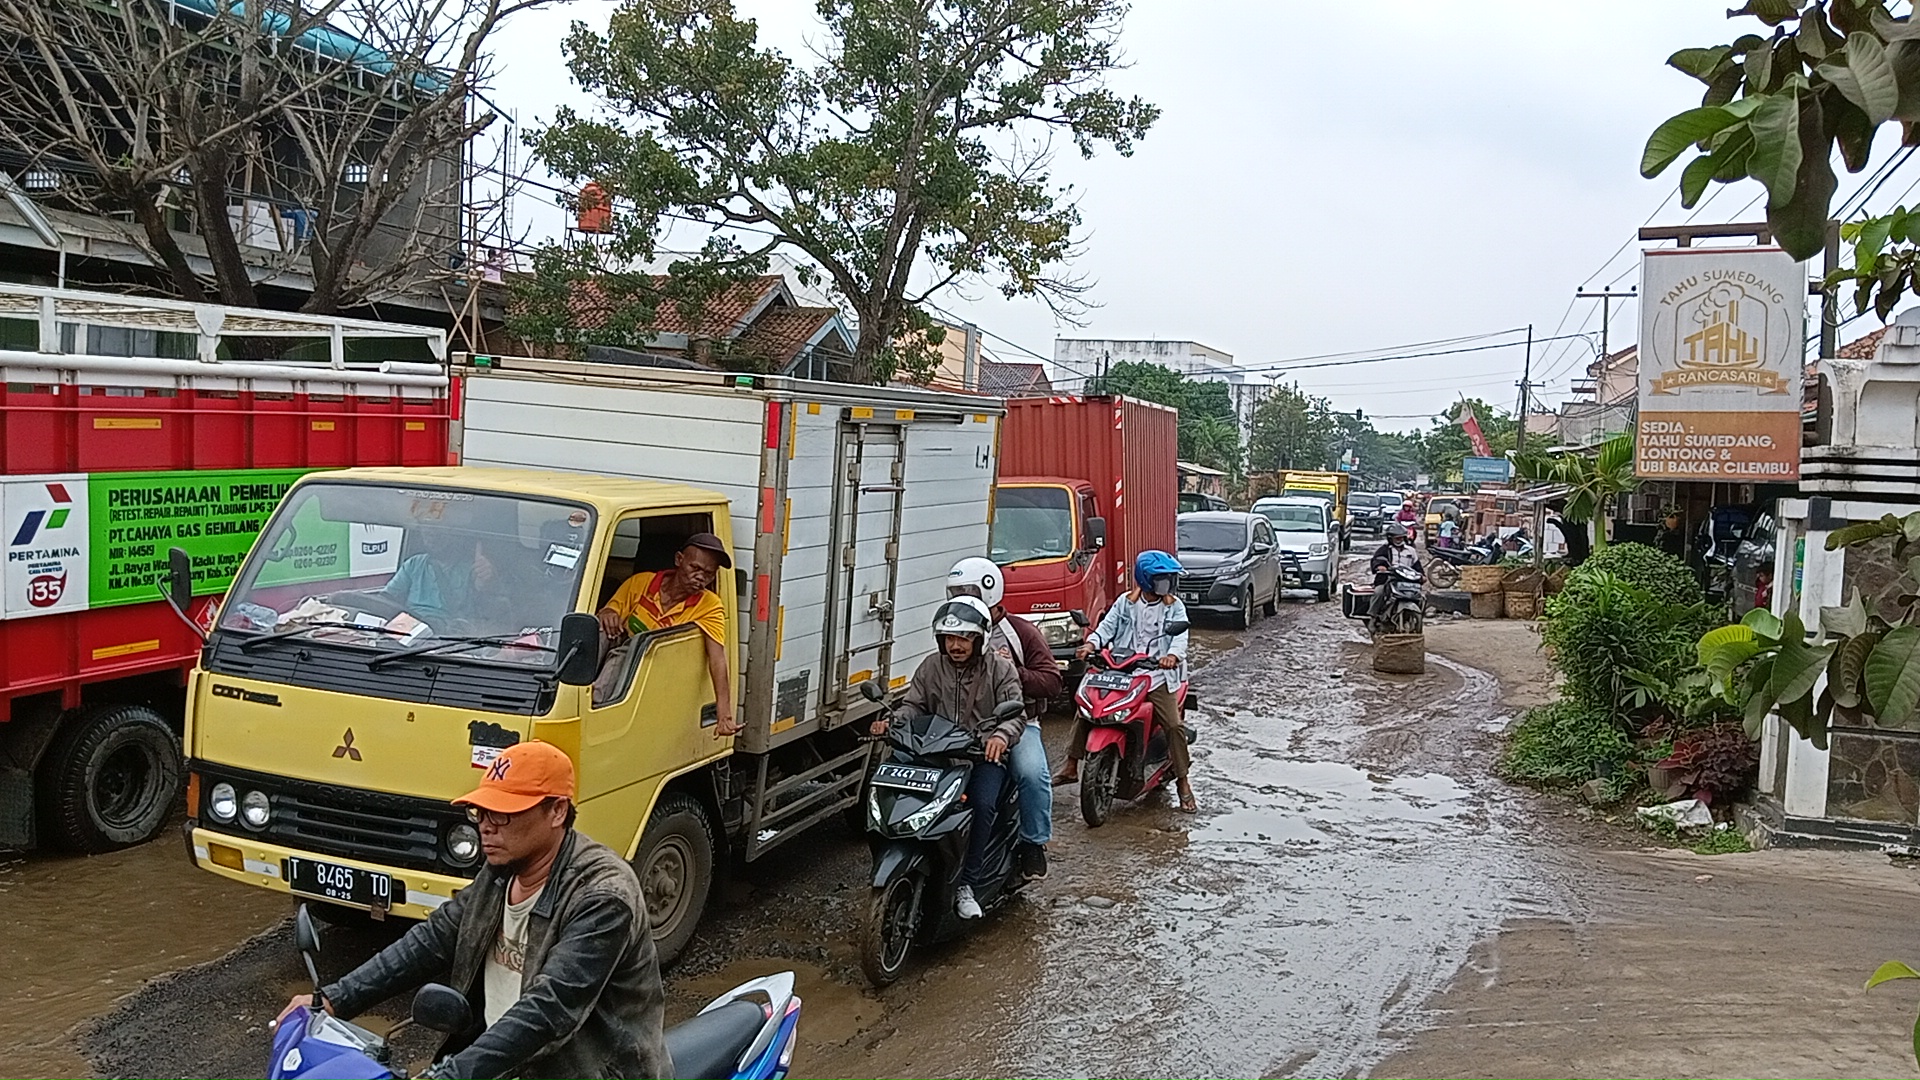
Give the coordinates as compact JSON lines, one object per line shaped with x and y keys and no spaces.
{"x":1365,"y":509}
{"x":1199,"y":501}
{"x":1231,"y":565}
{"x":1309,"y":541}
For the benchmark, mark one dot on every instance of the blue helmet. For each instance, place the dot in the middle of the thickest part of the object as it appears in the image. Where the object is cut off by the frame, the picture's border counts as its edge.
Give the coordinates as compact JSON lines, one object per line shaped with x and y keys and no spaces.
{"x":1154,"y":564}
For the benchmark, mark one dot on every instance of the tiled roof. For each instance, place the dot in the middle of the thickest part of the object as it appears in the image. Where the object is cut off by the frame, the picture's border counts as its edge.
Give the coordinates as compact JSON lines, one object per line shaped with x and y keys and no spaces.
{"x":1862,"y":348}
{"x":779,"y":334}
{"x":718,"y":319}
{"x":1013,"y":379}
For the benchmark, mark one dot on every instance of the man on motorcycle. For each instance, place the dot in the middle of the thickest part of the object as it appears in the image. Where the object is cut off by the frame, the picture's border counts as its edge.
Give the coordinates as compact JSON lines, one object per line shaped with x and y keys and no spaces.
{"x":550,"y":943}
{"x":1395,"y":553}
{"x":1022,"y":644}
{"x":964,"y":682}
{"x":1137,"y":622}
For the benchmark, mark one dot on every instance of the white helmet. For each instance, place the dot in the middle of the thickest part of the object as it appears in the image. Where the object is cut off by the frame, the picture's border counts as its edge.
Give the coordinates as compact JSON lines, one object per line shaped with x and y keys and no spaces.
{"x":977,"y":577}
{"x":963,"y":615}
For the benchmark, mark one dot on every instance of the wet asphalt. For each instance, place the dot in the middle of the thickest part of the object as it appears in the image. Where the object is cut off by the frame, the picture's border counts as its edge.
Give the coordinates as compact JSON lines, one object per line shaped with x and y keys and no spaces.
{"x":1351,"y":847}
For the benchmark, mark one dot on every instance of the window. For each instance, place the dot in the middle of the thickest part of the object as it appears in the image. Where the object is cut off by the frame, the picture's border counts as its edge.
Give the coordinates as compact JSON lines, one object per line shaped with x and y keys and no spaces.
{"x":40,"y":180}
{"x":357,"y":173}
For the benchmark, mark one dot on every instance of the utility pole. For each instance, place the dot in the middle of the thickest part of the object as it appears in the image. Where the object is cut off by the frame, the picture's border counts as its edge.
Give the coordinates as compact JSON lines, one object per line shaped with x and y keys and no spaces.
{"x":1606,"y":297}
{"x":1526,"y":396}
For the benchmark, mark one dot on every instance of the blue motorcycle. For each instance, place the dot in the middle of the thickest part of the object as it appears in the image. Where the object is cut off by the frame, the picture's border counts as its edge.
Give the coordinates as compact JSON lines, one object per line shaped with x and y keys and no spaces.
{"x":746,"y":1033}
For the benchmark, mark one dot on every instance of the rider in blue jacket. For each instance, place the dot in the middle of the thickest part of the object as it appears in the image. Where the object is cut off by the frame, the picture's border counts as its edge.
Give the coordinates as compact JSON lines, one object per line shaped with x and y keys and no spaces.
{"x":1136,"y":623}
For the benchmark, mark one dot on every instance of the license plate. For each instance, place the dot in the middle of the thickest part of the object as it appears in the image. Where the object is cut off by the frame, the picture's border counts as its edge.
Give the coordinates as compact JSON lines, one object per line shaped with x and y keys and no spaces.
{"x":1196,"y":597}
{"x":907,"y":778}
{"x":346,"y":884}
{"x":1109,"y":680}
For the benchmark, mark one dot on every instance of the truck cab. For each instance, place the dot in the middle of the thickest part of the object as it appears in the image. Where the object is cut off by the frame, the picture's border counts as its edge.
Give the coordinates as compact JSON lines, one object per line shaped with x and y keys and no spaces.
{"x":393,"y":630}
{"x":1047,"y":537}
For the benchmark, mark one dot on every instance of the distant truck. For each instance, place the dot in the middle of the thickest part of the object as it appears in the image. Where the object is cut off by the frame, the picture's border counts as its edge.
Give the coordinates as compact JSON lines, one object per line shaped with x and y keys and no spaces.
{"x":1328,"y":486}
{"x":1086,"y":485}
{"x":128,"y":427}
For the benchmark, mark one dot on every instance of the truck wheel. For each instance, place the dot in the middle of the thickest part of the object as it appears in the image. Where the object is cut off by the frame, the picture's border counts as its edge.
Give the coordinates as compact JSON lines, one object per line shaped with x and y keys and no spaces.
{"x":675,"y":867}
{"x":110,"y":779}
{"x":1097,"y":779}
{"x":893,"y":912}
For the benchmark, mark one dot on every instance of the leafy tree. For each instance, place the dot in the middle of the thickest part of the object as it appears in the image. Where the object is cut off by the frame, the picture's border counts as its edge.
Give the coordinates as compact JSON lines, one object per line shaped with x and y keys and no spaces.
{"x":1209,"y":427}
{"x":1776,"y":107}
{"x":1593,"y":481}
{"x":1294,"y":430}
{"x":909,"y":155}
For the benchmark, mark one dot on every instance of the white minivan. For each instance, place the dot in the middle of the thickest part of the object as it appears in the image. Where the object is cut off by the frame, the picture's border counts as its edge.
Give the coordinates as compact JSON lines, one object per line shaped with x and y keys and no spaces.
{"x":1309,"y":541}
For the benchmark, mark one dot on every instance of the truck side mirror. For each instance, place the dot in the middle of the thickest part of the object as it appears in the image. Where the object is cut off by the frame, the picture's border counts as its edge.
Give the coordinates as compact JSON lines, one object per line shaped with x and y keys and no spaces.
{"x":1097,"y":532}
{"x":579,"y":649}
{"x":176,"y":587}
{"x":442,"y":1008}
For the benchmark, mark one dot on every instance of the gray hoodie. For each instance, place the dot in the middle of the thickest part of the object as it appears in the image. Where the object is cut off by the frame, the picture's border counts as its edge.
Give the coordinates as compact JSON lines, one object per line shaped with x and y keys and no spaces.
{"x":968,"y":693}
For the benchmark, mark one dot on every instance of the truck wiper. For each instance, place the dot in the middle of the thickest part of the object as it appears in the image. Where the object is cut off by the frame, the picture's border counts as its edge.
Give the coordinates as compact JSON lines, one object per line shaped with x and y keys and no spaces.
{"x":261,"y":641}
{"x":453,"y":643}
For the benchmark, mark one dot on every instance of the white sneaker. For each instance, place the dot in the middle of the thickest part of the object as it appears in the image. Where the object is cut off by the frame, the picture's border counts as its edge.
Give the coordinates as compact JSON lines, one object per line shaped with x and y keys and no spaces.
{"x":964,"y":903}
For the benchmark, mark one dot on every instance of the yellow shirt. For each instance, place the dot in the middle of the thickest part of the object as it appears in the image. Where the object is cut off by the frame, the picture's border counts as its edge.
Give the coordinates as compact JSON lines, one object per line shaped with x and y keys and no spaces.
{"x":638,"y":601}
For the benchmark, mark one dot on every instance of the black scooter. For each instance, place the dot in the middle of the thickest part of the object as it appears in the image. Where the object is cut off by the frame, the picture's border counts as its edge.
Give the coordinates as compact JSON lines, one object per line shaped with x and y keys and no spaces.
{"x":917,"y":823}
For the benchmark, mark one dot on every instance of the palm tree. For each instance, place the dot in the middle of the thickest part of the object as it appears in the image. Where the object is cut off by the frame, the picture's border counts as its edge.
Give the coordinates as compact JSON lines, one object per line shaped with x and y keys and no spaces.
{"x":1592,"y":481}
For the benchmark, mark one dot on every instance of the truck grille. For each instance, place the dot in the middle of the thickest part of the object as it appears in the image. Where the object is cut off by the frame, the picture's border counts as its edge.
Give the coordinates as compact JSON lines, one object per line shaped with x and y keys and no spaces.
{"x":392,"y":830}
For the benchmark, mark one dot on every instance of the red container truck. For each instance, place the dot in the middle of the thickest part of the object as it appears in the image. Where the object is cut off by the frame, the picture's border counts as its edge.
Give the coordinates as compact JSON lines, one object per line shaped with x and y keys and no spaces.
{"x":1086,"y":484}
{"x":128,"y":428}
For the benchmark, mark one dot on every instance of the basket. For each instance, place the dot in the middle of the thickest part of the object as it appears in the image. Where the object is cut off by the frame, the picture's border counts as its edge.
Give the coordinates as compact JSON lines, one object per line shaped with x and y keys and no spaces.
{"x":1487,"y":605}
{"x":1481,"y":579}
{"x":1400,"y":654}
{"x":1521,"y":605}
{"x":1522,"y":579}
{"x":1556,"y":582}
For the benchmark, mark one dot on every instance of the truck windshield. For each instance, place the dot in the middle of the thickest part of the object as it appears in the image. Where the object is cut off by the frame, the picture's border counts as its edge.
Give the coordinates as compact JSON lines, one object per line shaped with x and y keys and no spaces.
{"x":387,"y":568}
{"x":1210,"y":535}
{"x":1307,"y":519}
{"x":1031,"y":523}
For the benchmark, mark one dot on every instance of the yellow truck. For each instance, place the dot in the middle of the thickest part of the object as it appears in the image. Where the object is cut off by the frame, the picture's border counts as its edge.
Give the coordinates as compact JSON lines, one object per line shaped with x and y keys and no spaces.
{"x":393,"y":628}
{"x":1328,"y":486}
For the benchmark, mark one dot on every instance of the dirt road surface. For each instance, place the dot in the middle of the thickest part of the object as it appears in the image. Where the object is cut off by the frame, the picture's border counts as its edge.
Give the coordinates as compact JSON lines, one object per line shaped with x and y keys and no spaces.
{"x":1357,"y":894}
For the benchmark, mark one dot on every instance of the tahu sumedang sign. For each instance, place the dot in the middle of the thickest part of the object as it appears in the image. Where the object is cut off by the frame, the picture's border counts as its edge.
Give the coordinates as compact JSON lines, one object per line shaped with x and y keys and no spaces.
{"x":89,"y":540}
{"x":1721,"y":348}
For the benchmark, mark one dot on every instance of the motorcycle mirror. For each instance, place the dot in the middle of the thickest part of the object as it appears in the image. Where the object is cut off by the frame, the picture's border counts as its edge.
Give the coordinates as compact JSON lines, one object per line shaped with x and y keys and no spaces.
{"x":1177,"y":627}
{"x":579,"y":647}
{"x":1079,"y":618}
{"x":442,"y":1008}
{"x":1006,"y":710}
{"x":306,"y":938}
{"x":871,"y":691}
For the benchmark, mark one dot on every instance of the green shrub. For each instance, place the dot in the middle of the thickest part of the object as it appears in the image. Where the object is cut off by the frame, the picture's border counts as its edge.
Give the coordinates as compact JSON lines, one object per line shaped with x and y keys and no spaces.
{"x":1608,"y":636}
{"x":1666,"y":577}
{"x":1564,"y":744}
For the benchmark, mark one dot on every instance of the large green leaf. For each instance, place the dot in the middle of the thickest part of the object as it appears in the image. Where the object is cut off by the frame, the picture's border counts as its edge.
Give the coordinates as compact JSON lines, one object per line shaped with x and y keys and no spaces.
{"x":1872,"y":241}
{"x":1701,"y":63}
{"x":1847,"y":670}
{"x":1862,"y":532}
{"x":1764,"y":624}
{"x":1672,"y":138}
{"x":1847,"y":620}
{"x":1865,"y":76}
{"x":1759,"y":701}
{"x":1694,"y":179}
{"x":1771,"y":12}
{"x":1889,"y":971}
{"x":1798,"y":665}
{"x":1776,"y":146}
{"x":1800,"y":226}
{"x":1893,"y":675}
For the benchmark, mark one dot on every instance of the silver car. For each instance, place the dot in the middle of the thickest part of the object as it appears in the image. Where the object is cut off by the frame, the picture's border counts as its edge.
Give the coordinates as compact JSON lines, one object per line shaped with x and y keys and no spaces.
{"x":1309,"y":541}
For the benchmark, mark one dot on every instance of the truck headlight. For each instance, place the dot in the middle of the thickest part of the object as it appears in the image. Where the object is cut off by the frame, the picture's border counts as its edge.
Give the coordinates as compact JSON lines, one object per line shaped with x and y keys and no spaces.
{"x":222,"y":803}
{"x":463,"y":844}
{"x":255,"y":810}
{"x":1319,"y":549}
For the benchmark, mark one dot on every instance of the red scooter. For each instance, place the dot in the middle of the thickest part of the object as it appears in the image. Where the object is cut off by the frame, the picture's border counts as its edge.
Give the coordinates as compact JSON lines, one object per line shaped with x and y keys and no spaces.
{"x":1126,"y":750}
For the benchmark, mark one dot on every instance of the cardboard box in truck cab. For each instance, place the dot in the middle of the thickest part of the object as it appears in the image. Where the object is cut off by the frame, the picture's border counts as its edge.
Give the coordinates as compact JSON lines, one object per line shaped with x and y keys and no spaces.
{"x":844,"y":507}
{"x":1086,"y":485}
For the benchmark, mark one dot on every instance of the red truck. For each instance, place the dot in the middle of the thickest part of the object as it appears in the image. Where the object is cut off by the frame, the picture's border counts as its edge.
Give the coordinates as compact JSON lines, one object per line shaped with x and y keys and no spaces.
{"x":1086,"y":484}
{"x":126,"y":429}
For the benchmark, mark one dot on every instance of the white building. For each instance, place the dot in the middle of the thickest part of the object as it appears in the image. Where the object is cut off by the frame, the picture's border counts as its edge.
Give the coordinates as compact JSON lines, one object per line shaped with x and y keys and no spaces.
{"x":1077,"y":359}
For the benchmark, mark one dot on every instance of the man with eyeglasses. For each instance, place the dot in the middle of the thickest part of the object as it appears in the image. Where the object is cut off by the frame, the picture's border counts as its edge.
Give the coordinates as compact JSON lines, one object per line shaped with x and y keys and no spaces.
{"x":655,"y":600}
{"x":551,"y":942}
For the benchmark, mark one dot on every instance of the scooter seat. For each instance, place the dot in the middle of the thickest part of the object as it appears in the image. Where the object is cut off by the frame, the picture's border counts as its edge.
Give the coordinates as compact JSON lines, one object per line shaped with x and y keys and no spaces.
{"x":708,"y":1046}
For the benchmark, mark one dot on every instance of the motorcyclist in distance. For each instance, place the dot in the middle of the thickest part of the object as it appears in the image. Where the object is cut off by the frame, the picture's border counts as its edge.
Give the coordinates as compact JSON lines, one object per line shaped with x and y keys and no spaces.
{"x":1395,"y":553}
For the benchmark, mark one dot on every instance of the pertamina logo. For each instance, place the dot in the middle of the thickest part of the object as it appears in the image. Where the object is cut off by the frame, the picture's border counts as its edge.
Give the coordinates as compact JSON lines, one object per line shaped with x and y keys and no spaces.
{"x":44,"y":589}
{"x":56,"y":520}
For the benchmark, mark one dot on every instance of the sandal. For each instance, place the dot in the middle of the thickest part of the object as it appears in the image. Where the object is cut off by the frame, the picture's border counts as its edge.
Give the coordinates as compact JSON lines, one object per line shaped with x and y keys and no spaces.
{"x":1187,"y":805}
{"x":1061,"y":778}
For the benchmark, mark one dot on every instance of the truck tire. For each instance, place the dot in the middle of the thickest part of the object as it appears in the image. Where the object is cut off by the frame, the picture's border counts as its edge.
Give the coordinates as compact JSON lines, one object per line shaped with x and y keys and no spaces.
{"x":675,"y":867}
{"x":110,"y":779}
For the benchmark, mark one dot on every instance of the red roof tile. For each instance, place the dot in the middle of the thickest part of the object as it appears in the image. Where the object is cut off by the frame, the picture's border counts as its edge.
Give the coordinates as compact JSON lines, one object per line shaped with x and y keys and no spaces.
{"x":718,"y":319}
{"x":1862,"y":348}
{"x":779,"y":334}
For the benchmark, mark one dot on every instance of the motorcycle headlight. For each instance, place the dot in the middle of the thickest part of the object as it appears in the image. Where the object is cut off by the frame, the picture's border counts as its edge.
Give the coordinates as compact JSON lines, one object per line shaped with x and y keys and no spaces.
{"x":255,"y":810}
{"x":1319,"y":549}
{"x":223,"y":803}
{"x":924,"y":816}
{"x":463,"y":843}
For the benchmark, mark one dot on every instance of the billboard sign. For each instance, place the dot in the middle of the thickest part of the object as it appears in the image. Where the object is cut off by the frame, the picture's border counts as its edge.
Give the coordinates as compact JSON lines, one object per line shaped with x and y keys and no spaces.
{"x":1486,"y":470}
{"x":1721,"y":360}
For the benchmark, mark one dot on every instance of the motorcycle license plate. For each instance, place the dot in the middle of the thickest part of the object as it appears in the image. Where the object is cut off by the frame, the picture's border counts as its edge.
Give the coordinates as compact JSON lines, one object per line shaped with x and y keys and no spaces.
{"x":907,"y":778}
{"x":1109,"y":680}
{"x":345,"y":884}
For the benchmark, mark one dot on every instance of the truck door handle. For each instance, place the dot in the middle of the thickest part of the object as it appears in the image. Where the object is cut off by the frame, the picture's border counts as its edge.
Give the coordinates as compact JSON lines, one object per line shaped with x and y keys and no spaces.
{"x":879,"y":605}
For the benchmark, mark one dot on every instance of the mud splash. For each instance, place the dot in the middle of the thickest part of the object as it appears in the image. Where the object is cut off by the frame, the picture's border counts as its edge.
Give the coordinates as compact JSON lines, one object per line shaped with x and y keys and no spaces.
{"x":82,"y":932}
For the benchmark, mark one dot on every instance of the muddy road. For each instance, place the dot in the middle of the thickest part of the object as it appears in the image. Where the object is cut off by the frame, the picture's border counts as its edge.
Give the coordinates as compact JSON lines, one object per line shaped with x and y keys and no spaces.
{"x":1349,"y":853}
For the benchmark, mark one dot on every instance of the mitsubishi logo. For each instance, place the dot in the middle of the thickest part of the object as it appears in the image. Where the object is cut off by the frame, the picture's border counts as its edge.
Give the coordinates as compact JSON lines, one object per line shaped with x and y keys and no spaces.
{"x":345,"y":749}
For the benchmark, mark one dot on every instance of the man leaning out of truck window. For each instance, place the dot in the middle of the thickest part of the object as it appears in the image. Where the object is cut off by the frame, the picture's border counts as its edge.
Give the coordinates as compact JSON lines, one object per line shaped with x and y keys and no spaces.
{"x":658,"y":599}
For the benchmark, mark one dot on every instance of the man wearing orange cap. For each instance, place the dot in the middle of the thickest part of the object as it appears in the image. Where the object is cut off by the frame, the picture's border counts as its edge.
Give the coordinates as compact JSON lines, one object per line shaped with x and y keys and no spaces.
{"x":551,"y":942}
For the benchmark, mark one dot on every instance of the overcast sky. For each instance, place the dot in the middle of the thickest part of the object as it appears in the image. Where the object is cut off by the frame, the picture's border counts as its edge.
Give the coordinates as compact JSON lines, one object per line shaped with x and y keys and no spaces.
{"x":1329,"y":177}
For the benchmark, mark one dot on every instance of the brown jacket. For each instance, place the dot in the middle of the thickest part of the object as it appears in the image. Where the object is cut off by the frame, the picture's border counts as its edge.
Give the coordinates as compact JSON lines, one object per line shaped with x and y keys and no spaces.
{"x":968,"y":693}
{"x":590,"y":997}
